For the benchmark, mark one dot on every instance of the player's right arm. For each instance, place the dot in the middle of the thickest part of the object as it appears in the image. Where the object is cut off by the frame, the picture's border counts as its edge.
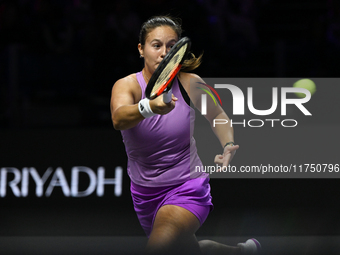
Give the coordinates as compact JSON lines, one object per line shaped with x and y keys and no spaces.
{"x":125,"y":96}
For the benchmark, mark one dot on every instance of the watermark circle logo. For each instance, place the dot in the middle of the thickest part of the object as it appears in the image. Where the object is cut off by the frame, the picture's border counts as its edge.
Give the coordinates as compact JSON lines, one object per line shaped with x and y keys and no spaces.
{"x":209,"y":93}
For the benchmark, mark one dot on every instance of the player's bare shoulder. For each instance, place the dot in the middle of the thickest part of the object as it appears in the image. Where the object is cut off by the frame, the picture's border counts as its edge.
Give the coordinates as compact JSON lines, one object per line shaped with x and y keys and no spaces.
{"x":127,"y":82}
{"x":127,"y":85}
{"x":189,"y":78}
{"x":188,"y":81}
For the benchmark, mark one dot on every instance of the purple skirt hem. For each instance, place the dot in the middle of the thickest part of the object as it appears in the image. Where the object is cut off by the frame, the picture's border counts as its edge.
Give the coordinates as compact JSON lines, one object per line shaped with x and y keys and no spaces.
{"x":193,"y":195}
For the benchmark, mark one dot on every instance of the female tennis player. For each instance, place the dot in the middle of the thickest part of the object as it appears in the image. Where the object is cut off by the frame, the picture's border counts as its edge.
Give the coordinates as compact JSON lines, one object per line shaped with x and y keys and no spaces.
{"x":171,"y":201}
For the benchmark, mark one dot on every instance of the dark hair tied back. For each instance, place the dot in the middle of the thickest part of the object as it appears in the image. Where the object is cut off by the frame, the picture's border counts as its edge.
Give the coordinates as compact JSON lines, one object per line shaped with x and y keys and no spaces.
{"x":158,"y":21}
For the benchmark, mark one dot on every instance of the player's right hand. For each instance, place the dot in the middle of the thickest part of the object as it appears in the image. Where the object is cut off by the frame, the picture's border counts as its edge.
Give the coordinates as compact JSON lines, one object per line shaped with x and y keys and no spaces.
{"x":159,"y":107}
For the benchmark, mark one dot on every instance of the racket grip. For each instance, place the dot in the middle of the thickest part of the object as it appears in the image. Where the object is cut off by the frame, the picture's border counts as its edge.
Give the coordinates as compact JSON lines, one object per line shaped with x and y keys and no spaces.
{"x":167,"y":97}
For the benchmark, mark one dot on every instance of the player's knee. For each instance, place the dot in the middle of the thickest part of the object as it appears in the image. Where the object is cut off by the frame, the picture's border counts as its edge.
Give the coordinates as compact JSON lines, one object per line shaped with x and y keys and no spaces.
{"x":173,"y":246}
{"x":206,"y":246}
{"x":167,"y":240}
{"x":158,"y":248}
{"x":160,"y":244}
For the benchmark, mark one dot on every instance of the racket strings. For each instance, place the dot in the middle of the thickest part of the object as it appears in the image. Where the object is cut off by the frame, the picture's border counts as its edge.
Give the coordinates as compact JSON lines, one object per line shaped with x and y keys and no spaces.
{"x":169,"y":68}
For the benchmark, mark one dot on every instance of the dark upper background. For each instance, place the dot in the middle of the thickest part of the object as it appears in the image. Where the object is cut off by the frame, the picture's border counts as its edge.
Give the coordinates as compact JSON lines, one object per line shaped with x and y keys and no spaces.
{"x":60,"y":58}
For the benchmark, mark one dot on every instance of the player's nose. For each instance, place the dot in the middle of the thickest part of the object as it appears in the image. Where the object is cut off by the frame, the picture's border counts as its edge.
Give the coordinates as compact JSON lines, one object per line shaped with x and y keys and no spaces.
{"x":164,"y":52}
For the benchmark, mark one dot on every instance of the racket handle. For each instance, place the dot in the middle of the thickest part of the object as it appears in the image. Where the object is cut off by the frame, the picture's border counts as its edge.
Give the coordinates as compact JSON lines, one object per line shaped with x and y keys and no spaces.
{"x":167,"y":97}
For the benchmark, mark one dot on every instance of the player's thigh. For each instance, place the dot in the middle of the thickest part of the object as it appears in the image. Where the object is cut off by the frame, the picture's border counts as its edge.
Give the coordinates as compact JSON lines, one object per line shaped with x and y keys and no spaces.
{"x":174,"y":226}
{"x":177,"y":219}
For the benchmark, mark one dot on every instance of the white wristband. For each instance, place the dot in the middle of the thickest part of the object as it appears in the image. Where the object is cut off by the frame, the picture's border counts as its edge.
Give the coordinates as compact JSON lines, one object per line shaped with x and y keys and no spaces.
{"x":145,"y":109}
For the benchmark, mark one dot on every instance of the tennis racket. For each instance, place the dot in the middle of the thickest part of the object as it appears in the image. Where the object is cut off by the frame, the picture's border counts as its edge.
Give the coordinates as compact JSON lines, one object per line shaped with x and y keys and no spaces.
{"x":161,"y":80}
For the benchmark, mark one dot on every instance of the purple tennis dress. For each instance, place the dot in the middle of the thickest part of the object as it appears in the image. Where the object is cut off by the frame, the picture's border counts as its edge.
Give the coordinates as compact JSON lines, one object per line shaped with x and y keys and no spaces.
{"x":162,"y":157}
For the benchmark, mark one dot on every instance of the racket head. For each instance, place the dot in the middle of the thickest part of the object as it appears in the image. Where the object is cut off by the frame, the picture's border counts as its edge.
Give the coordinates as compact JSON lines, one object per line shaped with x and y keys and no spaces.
{"x":161,"y":80}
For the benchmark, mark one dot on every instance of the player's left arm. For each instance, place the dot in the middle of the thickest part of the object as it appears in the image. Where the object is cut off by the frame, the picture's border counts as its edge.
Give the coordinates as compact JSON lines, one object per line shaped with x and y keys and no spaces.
{"x":225,"y":132}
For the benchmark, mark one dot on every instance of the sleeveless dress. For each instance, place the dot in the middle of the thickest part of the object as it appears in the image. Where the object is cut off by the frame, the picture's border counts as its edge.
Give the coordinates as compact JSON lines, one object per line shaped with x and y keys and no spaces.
{"x":162,"y":156}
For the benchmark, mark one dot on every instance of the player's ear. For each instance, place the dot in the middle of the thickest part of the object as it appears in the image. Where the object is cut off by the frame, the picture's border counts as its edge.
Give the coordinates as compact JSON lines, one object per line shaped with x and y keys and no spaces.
{"x":141,"y":51}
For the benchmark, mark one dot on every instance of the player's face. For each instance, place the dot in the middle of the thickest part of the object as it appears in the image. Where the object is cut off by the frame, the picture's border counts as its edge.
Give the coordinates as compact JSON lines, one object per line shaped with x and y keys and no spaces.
{"x":157,"y":44}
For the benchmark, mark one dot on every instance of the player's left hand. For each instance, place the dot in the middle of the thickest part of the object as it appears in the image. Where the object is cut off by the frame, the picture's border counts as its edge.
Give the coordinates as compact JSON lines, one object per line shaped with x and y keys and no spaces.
{"x":228,"y":154}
